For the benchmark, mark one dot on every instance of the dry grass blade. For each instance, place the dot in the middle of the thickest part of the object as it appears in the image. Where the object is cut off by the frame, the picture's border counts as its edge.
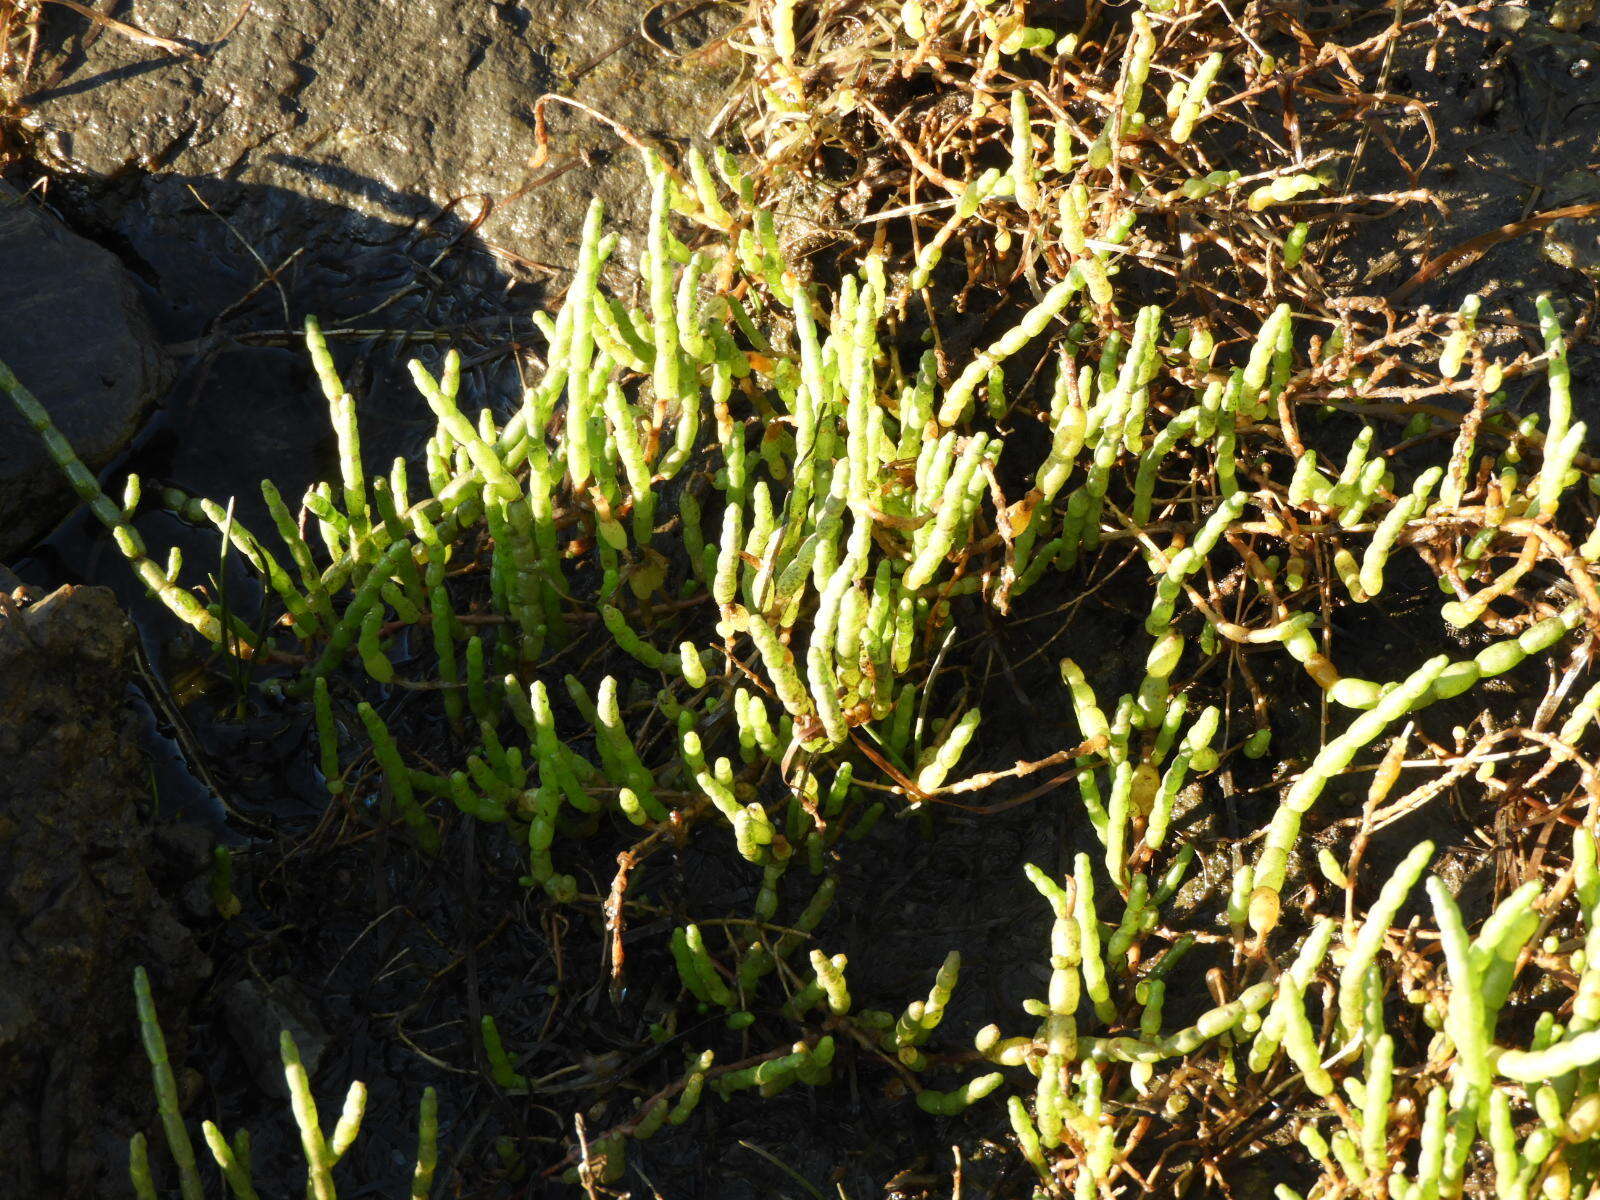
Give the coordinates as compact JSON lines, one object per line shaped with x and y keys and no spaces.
{"x":133,"y":33}
{"x":1474,"y":248}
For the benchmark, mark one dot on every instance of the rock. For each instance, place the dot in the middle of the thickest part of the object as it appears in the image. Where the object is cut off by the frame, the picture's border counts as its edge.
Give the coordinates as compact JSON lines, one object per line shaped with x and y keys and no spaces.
{"x":76,"y":336}
{"x":258,"y":1013}
{"x":351,"y":145}
{"x":78,"y":909}
{"x":384,"y":108}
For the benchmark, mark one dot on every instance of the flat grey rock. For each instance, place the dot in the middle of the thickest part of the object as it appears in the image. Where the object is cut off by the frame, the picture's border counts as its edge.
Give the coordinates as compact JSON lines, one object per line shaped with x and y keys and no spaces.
{"x":73,"y":331}
{"x":384,"y":107}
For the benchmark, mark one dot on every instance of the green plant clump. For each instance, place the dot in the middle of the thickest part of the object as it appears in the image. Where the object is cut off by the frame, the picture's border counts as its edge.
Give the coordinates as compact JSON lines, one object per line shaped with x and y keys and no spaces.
{"x":761,"y":510}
